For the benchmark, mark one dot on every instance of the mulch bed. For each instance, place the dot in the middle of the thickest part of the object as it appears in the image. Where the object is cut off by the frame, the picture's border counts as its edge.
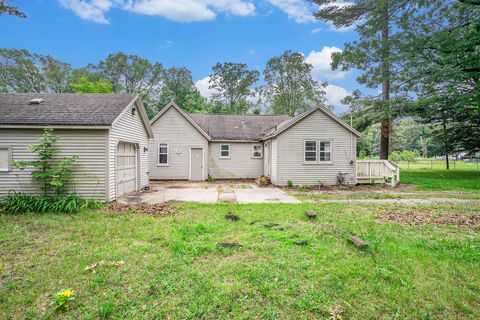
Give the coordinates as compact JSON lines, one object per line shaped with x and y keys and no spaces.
{"x":159,"y":209}
{"x":412,"y":218}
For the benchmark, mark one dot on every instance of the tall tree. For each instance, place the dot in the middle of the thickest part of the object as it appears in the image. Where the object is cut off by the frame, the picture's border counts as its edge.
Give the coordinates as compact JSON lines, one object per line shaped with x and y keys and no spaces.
{"x":83,"y":85}
{"x":289,"y":86}
{"x":376,"y":51}
{"x":178,"y":86}
{"x":10,"y":10}
{"x":232,"y":85}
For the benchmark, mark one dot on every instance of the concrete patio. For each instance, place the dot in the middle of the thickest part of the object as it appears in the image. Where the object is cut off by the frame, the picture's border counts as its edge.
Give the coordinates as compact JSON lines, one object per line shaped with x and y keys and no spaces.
{"x":209,"y":192}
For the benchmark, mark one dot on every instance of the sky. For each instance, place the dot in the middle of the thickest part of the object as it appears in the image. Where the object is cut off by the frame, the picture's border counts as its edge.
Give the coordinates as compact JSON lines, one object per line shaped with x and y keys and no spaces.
{"x":195,"y":34}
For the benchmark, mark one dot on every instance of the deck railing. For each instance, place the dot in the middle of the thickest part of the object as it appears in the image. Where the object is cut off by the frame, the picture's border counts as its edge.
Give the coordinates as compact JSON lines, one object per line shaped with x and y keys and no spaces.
{"x":378,"y":171}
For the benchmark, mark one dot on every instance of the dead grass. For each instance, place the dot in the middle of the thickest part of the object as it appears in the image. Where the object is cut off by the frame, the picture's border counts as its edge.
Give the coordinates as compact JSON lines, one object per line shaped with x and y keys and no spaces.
{"x":415,"y":218}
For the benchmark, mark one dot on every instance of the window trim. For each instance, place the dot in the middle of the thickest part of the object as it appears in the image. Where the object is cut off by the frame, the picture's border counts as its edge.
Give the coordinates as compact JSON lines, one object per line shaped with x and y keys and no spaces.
{"x":305,"y":150}
{"x":253,"y":151}
{"x":9,"y":158}
{"x":167,"y":153}
{"x":229,"y":151}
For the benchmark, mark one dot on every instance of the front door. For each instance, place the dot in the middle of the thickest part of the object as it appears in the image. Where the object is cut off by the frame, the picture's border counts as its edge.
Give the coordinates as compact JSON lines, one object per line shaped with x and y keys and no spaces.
{"x":196,"y":164}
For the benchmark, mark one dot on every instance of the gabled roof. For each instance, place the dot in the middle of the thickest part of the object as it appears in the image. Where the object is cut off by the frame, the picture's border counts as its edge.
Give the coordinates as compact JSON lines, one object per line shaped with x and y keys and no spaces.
{"x":185,"y":115}
{"x":237,"y":127}
{"x":289,"y":123}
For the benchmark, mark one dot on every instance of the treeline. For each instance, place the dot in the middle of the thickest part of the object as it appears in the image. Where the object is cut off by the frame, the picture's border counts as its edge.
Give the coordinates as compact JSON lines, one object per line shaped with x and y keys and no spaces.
{"x":288,"y":88}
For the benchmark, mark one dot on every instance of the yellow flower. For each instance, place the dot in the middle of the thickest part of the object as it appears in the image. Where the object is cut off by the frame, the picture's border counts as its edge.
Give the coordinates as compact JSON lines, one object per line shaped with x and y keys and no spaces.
{"x":66,"y":293}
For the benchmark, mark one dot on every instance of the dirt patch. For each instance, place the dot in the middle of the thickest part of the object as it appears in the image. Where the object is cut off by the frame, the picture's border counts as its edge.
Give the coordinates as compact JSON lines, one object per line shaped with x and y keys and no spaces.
{"x":413,"y":218}
{"x":232,"y":217}
{"x":158,"y":209}
{"x":229,"y":245}
{"x":301,"y":243}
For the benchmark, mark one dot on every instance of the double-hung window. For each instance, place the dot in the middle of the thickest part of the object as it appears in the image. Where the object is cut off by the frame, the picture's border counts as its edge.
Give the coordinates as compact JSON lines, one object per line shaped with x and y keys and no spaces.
{"x":325,"y":151}
{"x":257,"y":151}
{"x":5,"y":159}
{"x":225,"y":151}
{"x":310,"y":151}
{"x":163,"y":154}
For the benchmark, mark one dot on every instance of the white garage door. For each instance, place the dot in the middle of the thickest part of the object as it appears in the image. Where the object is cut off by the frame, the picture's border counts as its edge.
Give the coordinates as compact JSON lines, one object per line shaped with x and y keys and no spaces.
{"x":126,"y":168}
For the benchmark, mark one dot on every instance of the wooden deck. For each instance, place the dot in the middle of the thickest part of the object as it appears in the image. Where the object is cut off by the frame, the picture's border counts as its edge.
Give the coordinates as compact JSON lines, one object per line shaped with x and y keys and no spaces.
{"x":378,"y":171}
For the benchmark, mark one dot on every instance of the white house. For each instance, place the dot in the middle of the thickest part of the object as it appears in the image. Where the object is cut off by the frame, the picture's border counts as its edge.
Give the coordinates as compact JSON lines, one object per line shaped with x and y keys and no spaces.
{"x":108,"y":132}
{"x":311,"y":147}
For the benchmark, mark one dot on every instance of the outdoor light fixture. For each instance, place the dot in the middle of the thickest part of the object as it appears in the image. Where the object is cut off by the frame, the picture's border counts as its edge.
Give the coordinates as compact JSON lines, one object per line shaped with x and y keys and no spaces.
{"x":145,"y":149}
{"x":134,"y":111}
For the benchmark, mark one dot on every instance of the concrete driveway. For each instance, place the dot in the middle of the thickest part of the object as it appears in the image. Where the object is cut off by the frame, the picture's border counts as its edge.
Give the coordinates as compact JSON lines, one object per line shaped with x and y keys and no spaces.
{"x":209,"y":192}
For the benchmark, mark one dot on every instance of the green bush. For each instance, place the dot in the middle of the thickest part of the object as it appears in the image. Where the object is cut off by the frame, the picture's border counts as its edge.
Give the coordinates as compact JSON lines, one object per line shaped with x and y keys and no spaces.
{"x":290,"y":183}
{"x":405,"y":155}
{"x":18,"y":203}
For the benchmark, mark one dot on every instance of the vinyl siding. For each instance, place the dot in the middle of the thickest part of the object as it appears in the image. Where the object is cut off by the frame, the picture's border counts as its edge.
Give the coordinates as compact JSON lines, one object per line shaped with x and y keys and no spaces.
{"x":274,"y":168}
{"x":89,"y":169}
{"x":128,"y":128}
{"x":240,"y":165}
{"x":172,"y":128}
{"x":290,"y":152}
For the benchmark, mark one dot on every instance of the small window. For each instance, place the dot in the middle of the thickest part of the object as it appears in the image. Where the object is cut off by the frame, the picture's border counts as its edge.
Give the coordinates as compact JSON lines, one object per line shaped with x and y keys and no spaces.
{"x":257,"y":151}
{"x":224,"y":151}
{"x":310,"y":151}
{"x":5,"y":159}
{"x":163,"y":154}
{"x":325,"y":152}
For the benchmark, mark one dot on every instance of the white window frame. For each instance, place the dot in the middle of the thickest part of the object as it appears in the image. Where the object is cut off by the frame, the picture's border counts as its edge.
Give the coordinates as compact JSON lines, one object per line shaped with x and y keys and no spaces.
{"x":331,"y":152}
{"x":168,"y":155}
{"x":253,"y":151}
{"x":305,"y":151}
{"x":229,"y":151}
{"x":9,"y":158}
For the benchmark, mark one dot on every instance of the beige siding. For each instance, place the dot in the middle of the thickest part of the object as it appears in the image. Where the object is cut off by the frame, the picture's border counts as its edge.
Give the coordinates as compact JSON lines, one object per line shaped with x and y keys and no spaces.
{"x":289,"y":157}
{"x":180,"y":135}
{"x":240,"y":165}
{"x":128,"y":128}
{"x":89,"y":169}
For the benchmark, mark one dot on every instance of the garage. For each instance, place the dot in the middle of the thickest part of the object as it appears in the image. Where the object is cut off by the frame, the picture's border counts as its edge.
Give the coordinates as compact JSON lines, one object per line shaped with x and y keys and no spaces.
{"x":127,"y":168}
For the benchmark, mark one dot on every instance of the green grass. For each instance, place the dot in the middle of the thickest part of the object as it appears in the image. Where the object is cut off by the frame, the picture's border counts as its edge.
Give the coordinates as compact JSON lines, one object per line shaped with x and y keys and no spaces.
{"x":175,"y":270}
{"x":455,"y":180}
{"x":438,"y":165}
{"x":381,"y":196}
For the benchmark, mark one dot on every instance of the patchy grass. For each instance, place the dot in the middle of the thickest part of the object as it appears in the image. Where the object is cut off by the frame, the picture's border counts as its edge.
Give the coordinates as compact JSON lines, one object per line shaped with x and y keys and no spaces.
{"x":173,"y":266}
{"x":364,"y":196}
{"x":460,"y":180}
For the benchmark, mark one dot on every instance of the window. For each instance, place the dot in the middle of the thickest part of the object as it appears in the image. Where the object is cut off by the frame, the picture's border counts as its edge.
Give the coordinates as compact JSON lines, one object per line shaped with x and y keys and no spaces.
{"x":310,"y":151}
{"x":325,"y":152}
{"x":224,"y":151}
{"x":163,"y":154}
{"x":257,"y":151}
{"x":5,"y":158}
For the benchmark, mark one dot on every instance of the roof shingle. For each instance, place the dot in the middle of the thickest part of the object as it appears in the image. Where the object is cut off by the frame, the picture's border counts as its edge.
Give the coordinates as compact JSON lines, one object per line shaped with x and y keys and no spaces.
{"x":62,"y":109}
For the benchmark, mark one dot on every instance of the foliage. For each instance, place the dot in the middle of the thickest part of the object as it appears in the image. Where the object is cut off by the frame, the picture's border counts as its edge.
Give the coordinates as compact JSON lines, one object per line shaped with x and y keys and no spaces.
{"x":405,"y":155}
{"x":19,"y":203}
{"x":83,"y":85}
{"x":63,"y":298}
{"x":11,"y":10}
{"x":53,"y":175}
{"x":438,"y":180}
{"x":289,"y":86}
{"x":231,"y":84}
{"x":290,"y":183}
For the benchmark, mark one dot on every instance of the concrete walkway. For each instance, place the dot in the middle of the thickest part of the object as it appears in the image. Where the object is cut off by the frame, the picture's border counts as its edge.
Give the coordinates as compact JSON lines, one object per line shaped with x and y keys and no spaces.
{"x":205,"y":192}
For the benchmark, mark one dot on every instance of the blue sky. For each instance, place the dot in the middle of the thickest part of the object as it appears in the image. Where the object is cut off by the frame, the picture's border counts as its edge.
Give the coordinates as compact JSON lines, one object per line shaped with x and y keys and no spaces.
{"x":191,"y":33}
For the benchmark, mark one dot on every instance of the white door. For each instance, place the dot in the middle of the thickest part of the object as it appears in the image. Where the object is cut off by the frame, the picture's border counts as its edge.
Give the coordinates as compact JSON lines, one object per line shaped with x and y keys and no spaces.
{"x":126,"y":168}
{"x":196,"y":164}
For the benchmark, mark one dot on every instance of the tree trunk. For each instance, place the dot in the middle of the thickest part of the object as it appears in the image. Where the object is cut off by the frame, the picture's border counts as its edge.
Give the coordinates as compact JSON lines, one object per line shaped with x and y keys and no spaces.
{"x":385,"y":123}
{"x":447,"y":162}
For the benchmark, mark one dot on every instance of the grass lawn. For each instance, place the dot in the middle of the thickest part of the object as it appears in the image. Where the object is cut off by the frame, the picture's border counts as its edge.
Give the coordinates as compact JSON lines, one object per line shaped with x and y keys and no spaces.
{"x":174,"y":269}
{"x":455,"y":180}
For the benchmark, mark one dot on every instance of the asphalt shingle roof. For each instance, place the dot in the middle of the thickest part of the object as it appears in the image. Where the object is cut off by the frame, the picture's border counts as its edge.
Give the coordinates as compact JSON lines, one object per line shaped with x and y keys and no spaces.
{"x":62,"y":109}
{"x":237,"y":127}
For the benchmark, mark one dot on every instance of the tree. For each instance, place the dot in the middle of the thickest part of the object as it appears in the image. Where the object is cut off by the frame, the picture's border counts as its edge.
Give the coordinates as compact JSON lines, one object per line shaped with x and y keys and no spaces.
{"x":376,"y":52}
{"x":22,"y":71}
{"x":289,"y":86}
{"x":131,"y":74}
{"x":10,"y":10}
{"x":82,"y":85}
{"x":232,"y":84}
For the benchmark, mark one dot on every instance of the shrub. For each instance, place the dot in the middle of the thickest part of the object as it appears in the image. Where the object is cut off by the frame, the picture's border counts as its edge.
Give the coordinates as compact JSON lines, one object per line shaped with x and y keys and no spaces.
{"x":290,"y":183}
{"x":405,"y":155}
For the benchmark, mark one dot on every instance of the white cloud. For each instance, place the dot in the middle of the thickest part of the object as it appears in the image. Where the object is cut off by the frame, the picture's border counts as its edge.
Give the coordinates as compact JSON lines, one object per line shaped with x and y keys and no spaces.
{"x":334,"y":95}
{"x":316,"y":30}
{"x":299,"y":10}
{"x":321,"y":60}
{"x":203,"y":87}
{"x":177,"y":10}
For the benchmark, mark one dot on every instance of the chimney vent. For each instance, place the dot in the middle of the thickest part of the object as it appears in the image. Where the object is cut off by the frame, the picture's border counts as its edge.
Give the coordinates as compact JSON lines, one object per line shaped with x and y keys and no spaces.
{"x":36,"y":101}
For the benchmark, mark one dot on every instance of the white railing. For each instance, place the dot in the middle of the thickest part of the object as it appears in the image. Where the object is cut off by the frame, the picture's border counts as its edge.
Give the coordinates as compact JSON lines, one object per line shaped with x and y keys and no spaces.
{"x":378,"y":171}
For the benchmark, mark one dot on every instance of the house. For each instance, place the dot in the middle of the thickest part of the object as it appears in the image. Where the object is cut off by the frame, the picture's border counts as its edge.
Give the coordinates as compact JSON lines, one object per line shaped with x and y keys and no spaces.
{"x":311,"y":147}
{"x":108,"y":132}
